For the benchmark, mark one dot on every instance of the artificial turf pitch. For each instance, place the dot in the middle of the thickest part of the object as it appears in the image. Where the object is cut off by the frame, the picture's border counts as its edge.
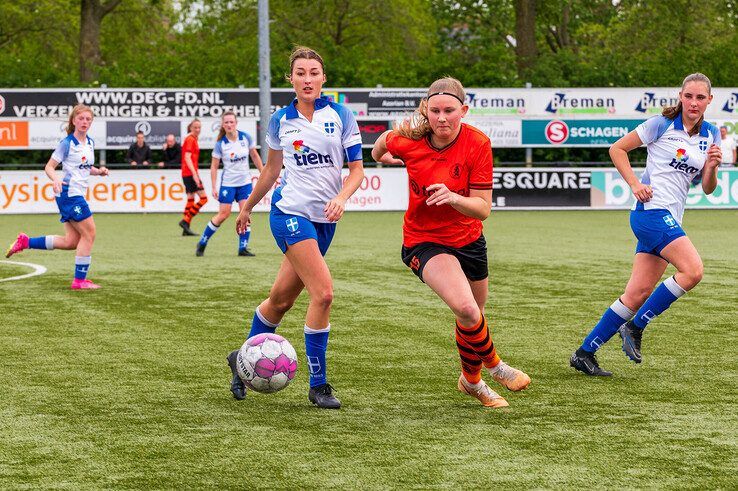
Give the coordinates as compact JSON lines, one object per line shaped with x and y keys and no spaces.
{"x":127,"y":386}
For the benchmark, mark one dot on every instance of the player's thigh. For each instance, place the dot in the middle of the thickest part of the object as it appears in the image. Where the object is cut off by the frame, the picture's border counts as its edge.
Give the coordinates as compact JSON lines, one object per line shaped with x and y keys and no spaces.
{"x":287,"y":285}
{"x":85,"y":228}
{"x":443,"y":274}
{"x":683,"y":255}
{"x":480,"y":290}
{"x":71,"y":235}
{"x":310,"y":267}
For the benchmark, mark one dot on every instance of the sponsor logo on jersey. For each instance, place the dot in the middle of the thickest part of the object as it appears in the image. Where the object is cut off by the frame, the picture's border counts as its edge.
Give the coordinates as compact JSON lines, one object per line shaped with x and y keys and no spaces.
{"x":307,"y":156}
{"x":680,"y":162}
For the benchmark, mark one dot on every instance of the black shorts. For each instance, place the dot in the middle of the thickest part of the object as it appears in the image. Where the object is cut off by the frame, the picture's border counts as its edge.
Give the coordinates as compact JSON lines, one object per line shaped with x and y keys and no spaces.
{"x":190,"y":185}
{"x":473,"y":257}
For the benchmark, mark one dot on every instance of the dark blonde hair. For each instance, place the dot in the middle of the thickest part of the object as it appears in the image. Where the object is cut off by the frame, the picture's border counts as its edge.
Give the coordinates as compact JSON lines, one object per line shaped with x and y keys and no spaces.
{"x":672,"y":112}
{"x":189,"y":126}
{"x":222,"y":131}
{"x":417,"y":126}
{"x":304,"y":53}
{"x":79,"y":108}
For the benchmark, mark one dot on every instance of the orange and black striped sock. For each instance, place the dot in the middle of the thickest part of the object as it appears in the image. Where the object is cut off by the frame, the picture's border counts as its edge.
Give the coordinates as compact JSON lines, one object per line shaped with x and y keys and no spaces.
{"x":200,"y":203}
{"x":471,"y":365}
{"x":188,"y":209}
{"x":477,"y":337}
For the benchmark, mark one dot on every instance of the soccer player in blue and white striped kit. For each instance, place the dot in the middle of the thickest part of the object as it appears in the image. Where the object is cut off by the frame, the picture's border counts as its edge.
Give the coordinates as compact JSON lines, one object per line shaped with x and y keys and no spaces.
{"x":681,"y":146}
{"x":312,"y":137}
{"x":76,"y":153}
{"x":233,"y":148}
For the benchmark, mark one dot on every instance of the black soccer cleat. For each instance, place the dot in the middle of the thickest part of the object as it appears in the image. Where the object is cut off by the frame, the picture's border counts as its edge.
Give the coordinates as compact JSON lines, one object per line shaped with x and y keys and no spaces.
{"x":322,"y":396}
{"x":586,"y":363}
{"x":238,"y":389}
{"x":186,"y":230}
{"x":245,"y":252}
{"x":200,"y":249}
{"x":631,"y":337}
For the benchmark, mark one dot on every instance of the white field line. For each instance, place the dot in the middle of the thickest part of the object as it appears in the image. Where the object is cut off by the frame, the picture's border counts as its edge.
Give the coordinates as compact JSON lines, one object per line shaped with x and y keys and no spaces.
{"x":37,"y":270}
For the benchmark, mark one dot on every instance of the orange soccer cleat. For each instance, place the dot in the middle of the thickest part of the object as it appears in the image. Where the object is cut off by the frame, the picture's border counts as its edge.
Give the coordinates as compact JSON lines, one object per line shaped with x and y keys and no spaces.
{"x":509,"y":377}
{"x":487,"y":396}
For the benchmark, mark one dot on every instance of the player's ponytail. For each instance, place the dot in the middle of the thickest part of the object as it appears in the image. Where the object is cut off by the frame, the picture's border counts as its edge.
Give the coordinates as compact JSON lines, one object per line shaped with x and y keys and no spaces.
{"x":79,"y":108}
{"x":417,"y":126}
{"x":222,"y":131}
{"x":671,"y":112}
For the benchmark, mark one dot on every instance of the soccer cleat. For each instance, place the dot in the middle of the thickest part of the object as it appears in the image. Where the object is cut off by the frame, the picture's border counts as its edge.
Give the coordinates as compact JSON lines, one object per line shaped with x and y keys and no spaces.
{"x":509,"y":377}
{"x":20,"y":244}
{"x":631,"y":337}
{"x":586,"y":363}
{"x":238,"y":389}
{"x":186,"y":230}
{"x":78,"y":284}
{"x":200,"y":249}
{"x":245,"y":252}
{"x":487,"y":396}
{"x":322,"y":396}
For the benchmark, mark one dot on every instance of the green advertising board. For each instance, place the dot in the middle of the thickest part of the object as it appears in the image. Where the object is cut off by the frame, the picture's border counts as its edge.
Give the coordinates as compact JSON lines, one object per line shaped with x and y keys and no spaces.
{"x":576,"y":132}
{"x":609,"y":190}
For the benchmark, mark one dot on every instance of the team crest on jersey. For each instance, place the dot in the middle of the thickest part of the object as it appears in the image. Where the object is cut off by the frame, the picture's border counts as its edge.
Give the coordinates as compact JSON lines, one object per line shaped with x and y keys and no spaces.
{"x":703,"y":146}
{"x":455,"y":171}
{"x":330,"y":128}
{"x":292,"y":224}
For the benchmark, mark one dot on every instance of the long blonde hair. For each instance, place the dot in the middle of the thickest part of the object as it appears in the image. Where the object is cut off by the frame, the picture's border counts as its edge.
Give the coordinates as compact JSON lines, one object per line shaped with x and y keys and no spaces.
{"x":79,"y":108}
{"x":417,"y":126}
{"x":222,"y":131}
{"x":672,"y":112}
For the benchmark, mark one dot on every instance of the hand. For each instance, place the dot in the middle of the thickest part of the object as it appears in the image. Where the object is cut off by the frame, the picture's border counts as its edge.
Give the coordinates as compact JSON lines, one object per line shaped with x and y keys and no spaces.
{"x":215,"y":193}
{"x":642,"y":192}
{"x":441,"y":195}
{"x":197,"y":180}
{"x":243,"y":220}
{"x":103,"y":171}
{"x":714,"y":156}
{"x":57,"y":186}
{"x":334,"y":209}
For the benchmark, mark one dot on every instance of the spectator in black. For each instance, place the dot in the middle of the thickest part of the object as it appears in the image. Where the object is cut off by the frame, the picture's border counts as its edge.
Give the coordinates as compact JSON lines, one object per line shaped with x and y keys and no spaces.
{"x":172,"y":153}
{"x":139,"y":152}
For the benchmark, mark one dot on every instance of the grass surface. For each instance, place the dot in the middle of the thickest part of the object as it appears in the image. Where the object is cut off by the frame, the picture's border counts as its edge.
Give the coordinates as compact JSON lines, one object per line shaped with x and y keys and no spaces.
{"x":127,"y":387}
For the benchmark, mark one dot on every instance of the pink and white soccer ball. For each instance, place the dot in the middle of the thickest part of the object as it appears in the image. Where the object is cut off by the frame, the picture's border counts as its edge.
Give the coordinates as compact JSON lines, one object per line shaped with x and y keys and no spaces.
{"x":266,"y":363}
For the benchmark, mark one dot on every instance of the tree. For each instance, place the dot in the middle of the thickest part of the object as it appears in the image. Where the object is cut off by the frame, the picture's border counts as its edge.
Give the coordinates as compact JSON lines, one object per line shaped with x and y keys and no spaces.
{"x":526,"y":48}
{"x":90,"y":57}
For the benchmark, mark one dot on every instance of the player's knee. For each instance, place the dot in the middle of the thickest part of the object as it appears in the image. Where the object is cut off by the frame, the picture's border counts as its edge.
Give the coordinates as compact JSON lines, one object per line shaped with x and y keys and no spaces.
{"x":694,"y":275}
{"x":281,"y":305}
{"x":468,"y":313}
{"x":323,"y":298}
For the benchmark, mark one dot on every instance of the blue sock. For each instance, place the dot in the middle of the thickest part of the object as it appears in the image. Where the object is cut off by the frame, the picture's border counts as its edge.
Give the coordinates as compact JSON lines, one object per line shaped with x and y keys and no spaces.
{"x":660,"y":300}
{"x":210,"y":229}
{"x":261,"y":325}
{"x":611,"y":320}
{"x":316,"y":343}
{"x":43,"y":242}
{"x":81,"y":266}
{"x":243,"y":239}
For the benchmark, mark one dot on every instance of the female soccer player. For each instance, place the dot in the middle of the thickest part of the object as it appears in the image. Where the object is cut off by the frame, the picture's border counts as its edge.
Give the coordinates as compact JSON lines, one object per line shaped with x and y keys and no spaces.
{"x":191,"y":176}
{"x":76,"y":153}
{"x":449,"y":166}
{"x":233,"y":147}
{"x":312,"y":137}
{"x":681,"y":145}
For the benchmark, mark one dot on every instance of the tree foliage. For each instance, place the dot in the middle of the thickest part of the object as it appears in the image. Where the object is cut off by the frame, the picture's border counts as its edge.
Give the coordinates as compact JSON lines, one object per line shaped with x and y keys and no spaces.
{"x":491,"y":43}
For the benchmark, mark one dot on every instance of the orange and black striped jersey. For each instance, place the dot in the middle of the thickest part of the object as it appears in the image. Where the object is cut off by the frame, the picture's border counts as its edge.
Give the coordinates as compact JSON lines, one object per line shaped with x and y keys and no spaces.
{"x":463,"y":165}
